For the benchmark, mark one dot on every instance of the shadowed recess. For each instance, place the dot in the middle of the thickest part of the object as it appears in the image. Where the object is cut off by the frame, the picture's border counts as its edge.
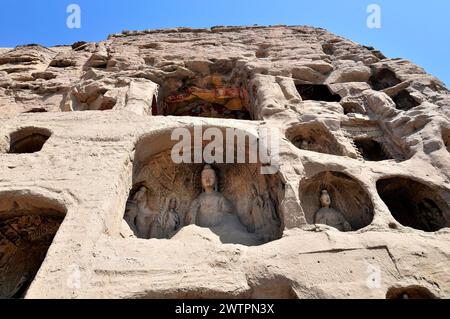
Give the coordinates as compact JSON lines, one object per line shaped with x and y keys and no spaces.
{"x":314,"y":137}
{"x":347,"y":197}
{"x":371,"y":150}
{"x":28,"y":225}
{"x":28,"y":140}
{"x":383,"y":79}
{"x":315,"y":92}
{"x":414,"y":204}
{"x":410,"y":292}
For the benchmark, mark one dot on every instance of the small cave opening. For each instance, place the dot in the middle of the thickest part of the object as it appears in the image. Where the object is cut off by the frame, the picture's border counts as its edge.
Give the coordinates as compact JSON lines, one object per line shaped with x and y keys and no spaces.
{"x":93,"y":100}
{"x":237,"y":202}
{"x":262,"y":53}
{"x":337,"y":200}
{"x":446,"y":138}
{"x":410,"y":292}
{"x":314,"y":137}
{"x":37,"y":110}
{"x":317,"y":92}
{"x":414,"y":204}
{"x":404,"y":101}
{"x":28,"y":140}
{"x":154,"y":106}
{"x":353,"y":108}
{"x":222,"y":93}
{"x":383,"y":79}
{"x":62,"y":63}
{"x":328,"y":48}
{"x":371,"y":150}
{"x":28,"y":225}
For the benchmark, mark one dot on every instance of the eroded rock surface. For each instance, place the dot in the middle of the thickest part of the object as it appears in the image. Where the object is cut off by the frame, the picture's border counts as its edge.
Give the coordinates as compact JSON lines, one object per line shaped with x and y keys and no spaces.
{"x":90,"y":196}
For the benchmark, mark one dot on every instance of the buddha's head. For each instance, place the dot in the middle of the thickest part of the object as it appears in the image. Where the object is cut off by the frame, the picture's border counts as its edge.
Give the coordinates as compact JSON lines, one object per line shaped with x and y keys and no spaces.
{"x":173,"y":203}
{"x":141,"y":194}
{"x":209,"y":179}
{"x":253,"y":190}
{"x":325,"y":199}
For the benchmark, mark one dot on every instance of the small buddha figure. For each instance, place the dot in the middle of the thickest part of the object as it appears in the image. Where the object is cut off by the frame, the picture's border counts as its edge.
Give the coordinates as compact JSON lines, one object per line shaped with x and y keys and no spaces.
{"x":272,"y":219}
{"x":257,"y":212}
{"x":211,"y":207}
{"x":329,"y":216}
{"x":167,"y":223}
{"x":139,"y":216}
{"x":304,"y":145}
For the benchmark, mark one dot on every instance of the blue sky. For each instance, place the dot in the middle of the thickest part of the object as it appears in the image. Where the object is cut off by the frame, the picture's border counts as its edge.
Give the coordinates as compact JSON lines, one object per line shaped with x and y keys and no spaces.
{"x":411,"y":29}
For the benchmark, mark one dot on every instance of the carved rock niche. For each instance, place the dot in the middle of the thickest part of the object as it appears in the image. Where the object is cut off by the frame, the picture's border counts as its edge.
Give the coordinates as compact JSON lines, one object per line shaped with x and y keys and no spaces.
{"x":28,"y":225}
{"x":213,"y":90}
{"x":446,"y":138}
{"x":160,"y":186}
{"x":383,"y":79}
{"x":404,"y":101}
{"x":410,"y":292}
{"x":347,"y":197}
{"x":371,"y":150}
{"x":314,"y":137}
{"x":317,"y":92}
{"x":28,"y":140}
{"x":414,"y":204}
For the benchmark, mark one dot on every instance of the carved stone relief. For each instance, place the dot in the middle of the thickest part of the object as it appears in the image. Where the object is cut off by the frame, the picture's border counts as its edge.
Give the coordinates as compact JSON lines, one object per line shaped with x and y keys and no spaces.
{"x":24,"y":241}
{"x":337,"y":200}
{"x":235,"y":200}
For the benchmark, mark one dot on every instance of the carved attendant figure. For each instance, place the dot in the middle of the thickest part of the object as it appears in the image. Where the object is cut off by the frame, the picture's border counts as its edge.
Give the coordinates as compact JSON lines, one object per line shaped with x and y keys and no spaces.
{"x":256,"y":212}
{"x":167,"y":223}
{"x":139,"y":216}
{"x":211,"y":207}
{"x":272,"y":220}
{"x":329,"y":216}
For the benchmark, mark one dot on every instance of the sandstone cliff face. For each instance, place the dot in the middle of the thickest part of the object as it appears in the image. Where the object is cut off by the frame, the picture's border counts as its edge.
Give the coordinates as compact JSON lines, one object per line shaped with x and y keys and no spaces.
{"x":84,"y":127}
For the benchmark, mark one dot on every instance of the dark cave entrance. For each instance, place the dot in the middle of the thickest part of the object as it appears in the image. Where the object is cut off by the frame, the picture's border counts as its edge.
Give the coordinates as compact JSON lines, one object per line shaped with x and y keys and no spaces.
{"x":414,"y":204}
{"x":446,"y":138}
{"x":411,"y":292}
{"x":383,"y":79}
{"x":28,"y":140}
{"x":404,"y":101}
{"x":28,"y":226}
{"x":314,"y":137}
{"x":371,"y":150}
{"x":313,"y":92}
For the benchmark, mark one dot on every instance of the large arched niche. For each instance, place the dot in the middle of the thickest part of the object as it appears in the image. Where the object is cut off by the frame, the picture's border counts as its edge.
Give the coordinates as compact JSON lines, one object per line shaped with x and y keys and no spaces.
{"x":414,"y":204}
{"x":28,"y":224}
{"x":347,"y":197}
{"x":161,"y":180}
{"x":314,"y":137}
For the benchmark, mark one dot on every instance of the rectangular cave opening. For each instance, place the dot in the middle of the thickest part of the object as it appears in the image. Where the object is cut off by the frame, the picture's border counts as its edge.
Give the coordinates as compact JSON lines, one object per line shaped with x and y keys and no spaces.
{"x":371,"y":150}
{"x":212,"y":96}
{"x":383,"y":79}
{"x":316,"y":92}
{"x":404,"y":101}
